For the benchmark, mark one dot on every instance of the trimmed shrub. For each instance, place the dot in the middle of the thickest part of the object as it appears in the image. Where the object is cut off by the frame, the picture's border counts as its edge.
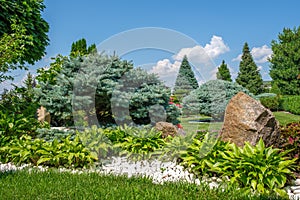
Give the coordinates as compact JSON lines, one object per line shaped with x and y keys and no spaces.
{"x":272,"y":103}
{"x":291,"y":104}
{"x":211,"y":98}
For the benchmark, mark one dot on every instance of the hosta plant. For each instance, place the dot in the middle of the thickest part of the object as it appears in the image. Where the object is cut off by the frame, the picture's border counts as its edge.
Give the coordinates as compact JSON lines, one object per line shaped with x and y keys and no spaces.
{"x":66,"y":153}
{"x":140,"y":142}
{"x":201,"y":152}
{"x":96,"y":140}
{"x":263,"y":169}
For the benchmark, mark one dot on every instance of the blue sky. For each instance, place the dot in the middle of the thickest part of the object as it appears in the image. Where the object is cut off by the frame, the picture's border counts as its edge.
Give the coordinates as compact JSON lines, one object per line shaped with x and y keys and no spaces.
{"x":219,"y":27}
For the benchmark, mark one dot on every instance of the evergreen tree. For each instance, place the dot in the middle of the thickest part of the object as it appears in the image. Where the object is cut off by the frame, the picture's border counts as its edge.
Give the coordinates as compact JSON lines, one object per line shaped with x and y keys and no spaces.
{"x":249,"y":76}
{"x":285,"y":62}
{"x":223,"y":72}
{"x":185,"y":81}
{"x":80,"y":48}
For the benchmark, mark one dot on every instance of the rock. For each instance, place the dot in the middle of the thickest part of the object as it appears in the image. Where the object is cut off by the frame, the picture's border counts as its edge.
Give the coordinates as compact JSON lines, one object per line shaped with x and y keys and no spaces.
{"x":166,"y":129}
{"x":246,"y":119}
{"x":43,"y":115}
{"x":295,"y":188}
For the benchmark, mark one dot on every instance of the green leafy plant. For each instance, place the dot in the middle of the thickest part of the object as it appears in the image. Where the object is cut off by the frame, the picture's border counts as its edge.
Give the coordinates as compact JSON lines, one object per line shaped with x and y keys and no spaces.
{"x":201,"y":153}
{"x":96,"y":140}
{"x":273,"y":103}
{"x":50,"y":134}
{"x":263,"y":169}
{"x":140,"y":142}
{"x":66,"y":153}
{"x":291,"y":104}
{"x":290,"y":141}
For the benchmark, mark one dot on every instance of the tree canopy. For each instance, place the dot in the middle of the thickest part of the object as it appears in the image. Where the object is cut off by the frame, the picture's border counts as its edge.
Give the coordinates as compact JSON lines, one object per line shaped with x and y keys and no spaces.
{"x":23,"y":34}
{"x":249,"y":76}
{"x":285,"y":62}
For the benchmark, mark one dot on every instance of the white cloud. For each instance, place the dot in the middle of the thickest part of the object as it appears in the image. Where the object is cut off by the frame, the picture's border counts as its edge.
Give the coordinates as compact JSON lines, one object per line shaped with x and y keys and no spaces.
{"x":216,"y":47}
{"x":201,"y":58}
{"x":259,"y":54}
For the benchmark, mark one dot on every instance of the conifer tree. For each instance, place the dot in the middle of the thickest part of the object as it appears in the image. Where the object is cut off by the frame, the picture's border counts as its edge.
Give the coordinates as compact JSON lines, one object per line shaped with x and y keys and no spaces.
{"x":285,"y":62}
{"x":223,"y":72}
{"x":249,"y":76}
{"x":185,"y":81}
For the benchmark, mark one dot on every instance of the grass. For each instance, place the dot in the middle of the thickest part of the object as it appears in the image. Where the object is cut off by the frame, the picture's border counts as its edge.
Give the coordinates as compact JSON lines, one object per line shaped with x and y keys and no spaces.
{"x":284,"y":118}
{"x":193,"y":127}
{"x":55,"y":185}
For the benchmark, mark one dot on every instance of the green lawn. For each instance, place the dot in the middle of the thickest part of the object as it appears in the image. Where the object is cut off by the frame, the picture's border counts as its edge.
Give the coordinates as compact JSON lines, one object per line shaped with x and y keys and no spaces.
{"x":53,"y":185}
{"x":189,"y":126}
{"x":285,"y":118}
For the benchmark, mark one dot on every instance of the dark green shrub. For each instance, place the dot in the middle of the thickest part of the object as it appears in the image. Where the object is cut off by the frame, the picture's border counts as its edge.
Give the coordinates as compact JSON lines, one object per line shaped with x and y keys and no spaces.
{"x":290,"y":141}
{"x":66,"y":153}
{"x":272,"y":103}
{"x":50,"y":134}
{"x":18,"y":110}
{"x":291,"y":104}
{"x":211,"y":98}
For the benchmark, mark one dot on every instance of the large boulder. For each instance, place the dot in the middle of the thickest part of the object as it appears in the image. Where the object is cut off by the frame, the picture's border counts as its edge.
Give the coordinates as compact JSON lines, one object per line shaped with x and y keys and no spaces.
{"x":166,"y":129}
{"x":246,"y":119}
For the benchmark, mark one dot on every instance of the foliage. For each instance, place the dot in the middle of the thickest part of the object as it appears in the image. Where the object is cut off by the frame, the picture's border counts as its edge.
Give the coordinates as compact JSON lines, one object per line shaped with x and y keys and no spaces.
{"x":263,"y":169}
{"x":291,"y":104}
{"x":90,"y":88}
{"x":96,"y":140}
{"x":18,"y":110}
{"x":65,"y":185}
{"x":249,"y":76}
{"x":284,"y":62}
{"x":185,"y":81}
{"x":174,"y":147}
{"x":66,"y":153}
{"x":23,"y":34}
{"x":197,"y":160}
{"x":51,"y":134}
{"x":272,"y":103}
{"x":223,"y":72}
{"x":49,"y":75}
{"x":145,"y":97}
{"x":290,"y":141}
{"x":211,"y":98}
{"x":79,"y":48}
{"x":140,"y":142}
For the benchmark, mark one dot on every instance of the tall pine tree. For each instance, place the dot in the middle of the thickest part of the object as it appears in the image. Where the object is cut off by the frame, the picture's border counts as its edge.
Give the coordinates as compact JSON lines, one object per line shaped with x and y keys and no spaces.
{"x":249,"y":76}
{"x":223,"y":72}
{"x":285,"y":62}
{"x":185,"y":81}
